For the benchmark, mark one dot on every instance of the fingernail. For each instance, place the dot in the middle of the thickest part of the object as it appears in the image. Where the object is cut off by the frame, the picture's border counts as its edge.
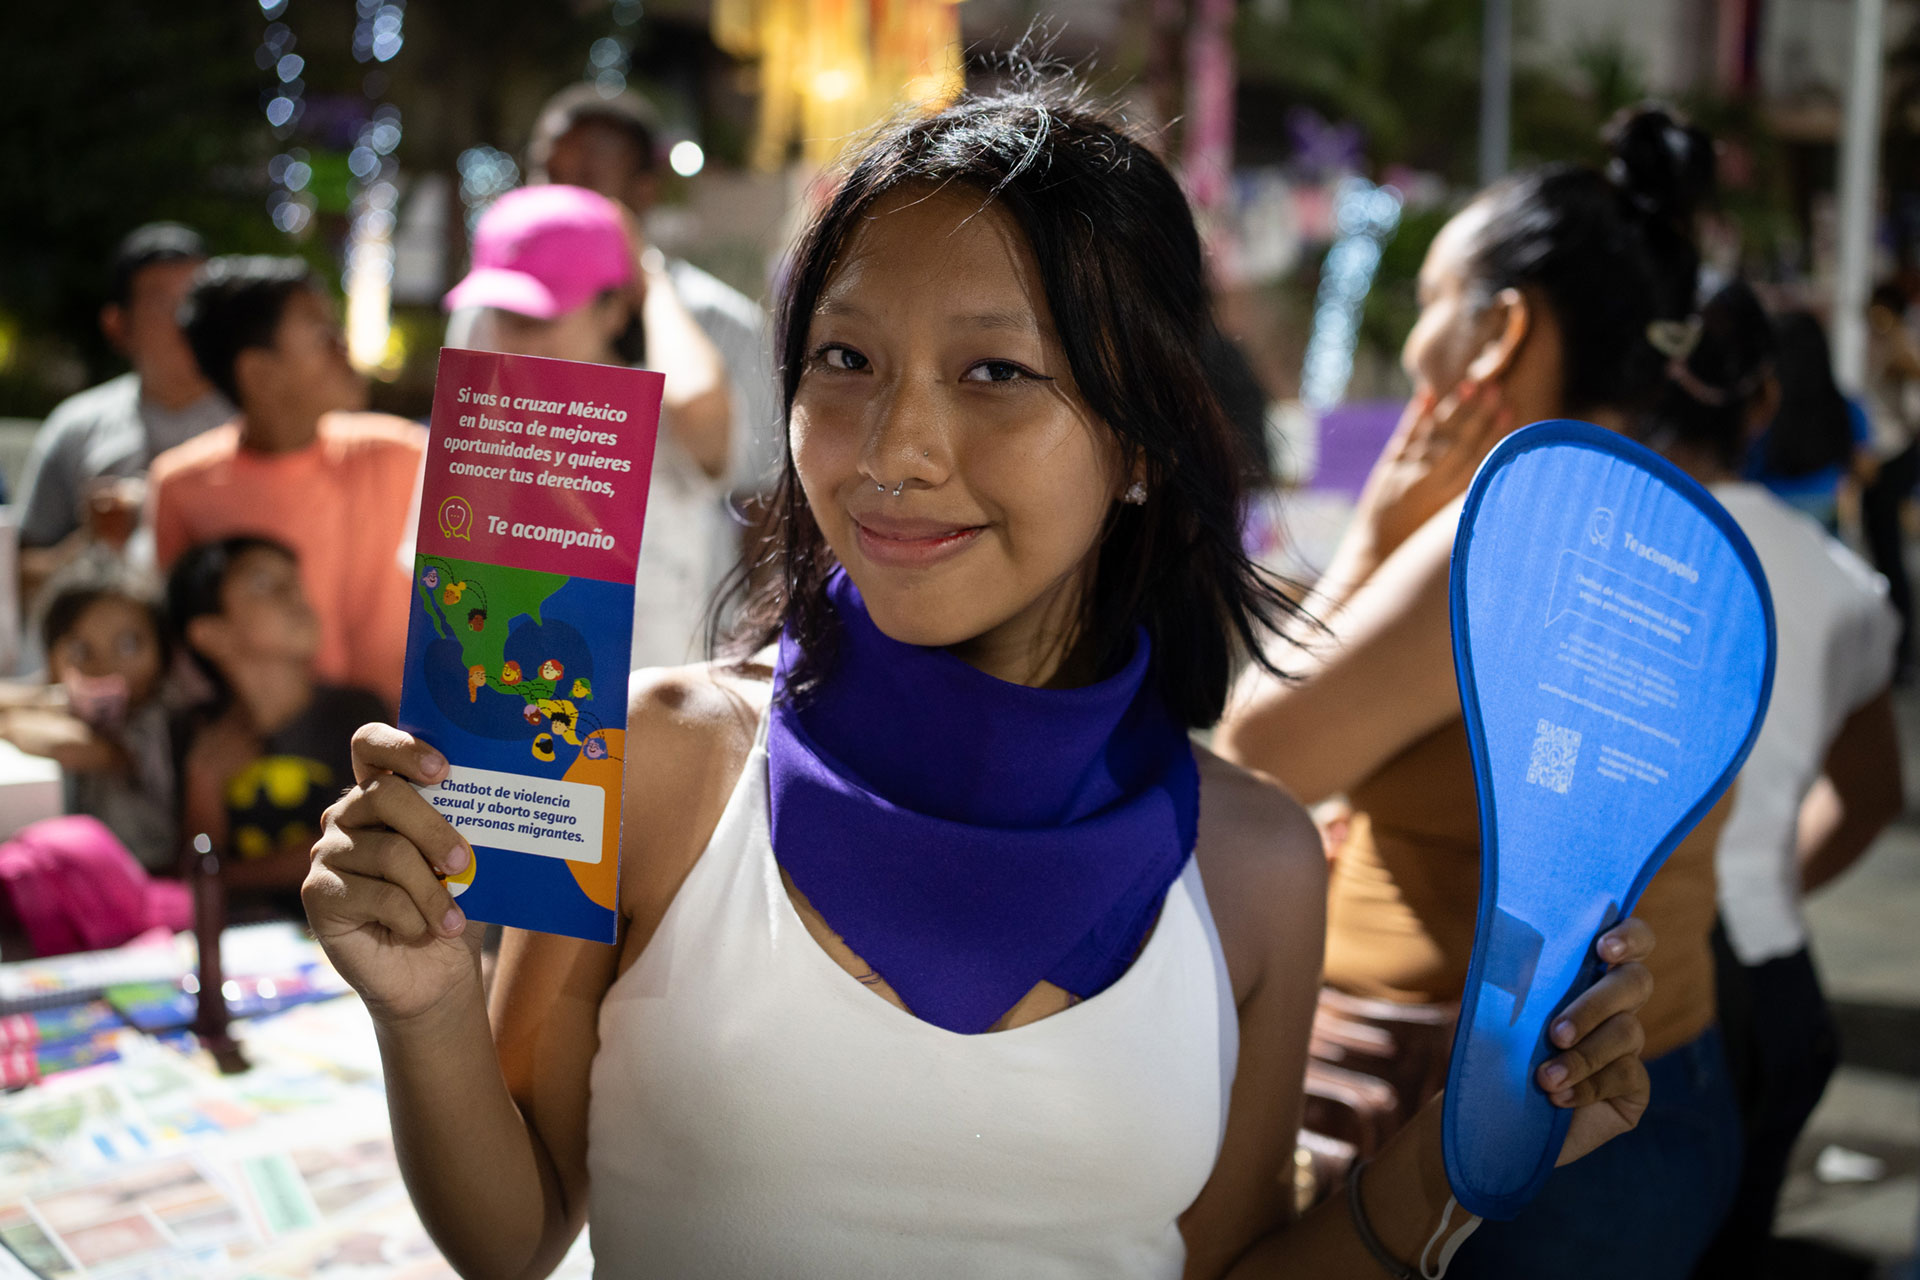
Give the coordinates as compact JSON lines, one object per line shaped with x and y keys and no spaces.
{"x":1564,"y":1098}
{"x":456,"y":859}
{"x":1563,"y":1032}
{"x":1556,"y":1076}
{"x":454,"y":922}
{"x":1613,"y":948}
{"x":432,"y":762}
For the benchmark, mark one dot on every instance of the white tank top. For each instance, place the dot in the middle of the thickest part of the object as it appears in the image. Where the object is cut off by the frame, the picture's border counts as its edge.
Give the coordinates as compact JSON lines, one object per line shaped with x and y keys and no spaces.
{"x":757,"y":1112}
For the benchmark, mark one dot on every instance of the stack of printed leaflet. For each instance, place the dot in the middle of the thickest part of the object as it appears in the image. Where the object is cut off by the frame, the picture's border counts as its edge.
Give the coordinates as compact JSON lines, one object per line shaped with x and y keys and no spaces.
{"x":68,"y":1012}
{"x":155,"y":1167}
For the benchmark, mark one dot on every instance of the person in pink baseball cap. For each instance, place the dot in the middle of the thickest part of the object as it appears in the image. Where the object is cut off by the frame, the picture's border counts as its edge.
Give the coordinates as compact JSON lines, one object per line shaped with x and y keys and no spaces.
{"x":555,"y":267}
{"x":561,"y":272}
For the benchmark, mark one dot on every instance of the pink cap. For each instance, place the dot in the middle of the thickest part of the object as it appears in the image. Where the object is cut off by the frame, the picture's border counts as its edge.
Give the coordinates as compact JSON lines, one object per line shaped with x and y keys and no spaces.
{"x":543,"y":251}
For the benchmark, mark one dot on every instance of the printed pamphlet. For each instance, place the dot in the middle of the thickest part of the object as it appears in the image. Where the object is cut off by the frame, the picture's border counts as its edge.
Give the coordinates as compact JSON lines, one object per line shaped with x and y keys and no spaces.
{"x":521,"y":626}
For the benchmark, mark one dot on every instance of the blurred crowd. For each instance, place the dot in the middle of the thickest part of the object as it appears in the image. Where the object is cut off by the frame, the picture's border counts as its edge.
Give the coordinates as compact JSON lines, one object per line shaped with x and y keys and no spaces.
{"x":195,"y":533}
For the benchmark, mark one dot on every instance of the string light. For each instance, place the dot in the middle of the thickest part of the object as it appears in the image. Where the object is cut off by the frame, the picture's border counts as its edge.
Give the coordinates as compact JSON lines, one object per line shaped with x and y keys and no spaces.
{"x":1365,"y":218}
{"x":485,"y":173}
{"x":378,"y":34}
{"x":608,"y":60}
{"x":290,"y":205}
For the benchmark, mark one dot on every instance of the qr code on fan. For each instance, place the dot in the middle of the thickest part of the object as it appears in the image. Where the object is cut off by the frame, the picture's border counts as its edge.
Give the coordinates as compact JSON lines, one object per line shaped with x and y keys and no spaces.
{"x":1555,"y":749}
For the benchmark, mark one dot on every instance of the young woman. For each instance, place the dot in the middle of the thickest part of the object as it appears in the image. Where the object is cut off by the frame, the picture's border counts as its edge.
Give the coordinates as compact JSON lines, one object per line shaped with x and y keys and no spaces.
{"x":945,"y":952}
{"x":1823,"y":777}
{"x":1551,"y":295}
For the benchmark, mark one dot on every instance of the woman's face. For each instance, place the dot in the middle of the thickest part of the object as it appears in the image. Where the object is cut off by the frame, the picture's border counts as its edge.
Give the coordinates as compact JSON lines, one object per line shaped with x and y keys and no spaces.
{"x":585,"y":333}
{"x":112,"y":639}
{"x":1453,"y":323}
{"x":943,"y":447}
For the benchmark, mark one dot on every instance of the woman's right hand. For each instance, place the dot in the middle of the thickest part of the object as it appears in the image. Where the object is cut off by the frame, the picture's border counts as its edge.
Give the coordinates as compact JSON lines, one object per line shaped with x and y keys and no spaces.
{"x":373,"y":894}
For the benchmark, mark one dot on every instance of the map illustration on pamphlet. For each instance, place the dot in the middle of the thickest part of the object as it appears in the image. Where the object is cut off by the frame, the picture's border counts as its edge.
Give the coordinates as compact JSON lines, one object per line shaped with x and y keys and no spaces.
{"x":521,"y":622}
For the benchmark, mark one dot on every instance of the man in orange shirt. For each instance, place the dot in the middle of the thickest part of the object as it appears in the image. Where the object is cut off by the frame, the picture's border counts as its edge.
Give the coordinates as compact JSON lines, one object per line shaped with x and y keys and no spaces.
{"x":302,"y":464}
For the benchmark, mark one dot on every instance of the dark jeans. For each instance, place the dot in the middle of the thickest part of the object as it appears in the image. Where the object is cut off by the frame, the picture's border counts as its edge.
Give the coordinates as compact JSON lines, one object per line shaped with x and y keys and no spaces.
{"x":1642,"y":1207}
{"x":1880,"y":505}
{"x":1783,"y":1046}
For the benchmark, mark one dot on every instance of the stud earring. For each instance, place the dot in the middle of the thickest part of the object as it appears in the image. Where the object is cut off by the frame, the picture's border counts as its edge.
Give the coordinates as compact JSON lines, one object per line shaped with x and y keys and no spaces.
{"x":1136,"y":494}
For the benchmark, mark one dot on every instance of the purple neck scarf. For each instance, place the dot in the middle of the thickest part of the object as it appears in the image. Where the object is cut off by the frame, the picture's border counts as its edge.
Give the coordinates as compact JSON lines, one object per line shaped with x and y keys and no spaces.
{"x":969,"y":837}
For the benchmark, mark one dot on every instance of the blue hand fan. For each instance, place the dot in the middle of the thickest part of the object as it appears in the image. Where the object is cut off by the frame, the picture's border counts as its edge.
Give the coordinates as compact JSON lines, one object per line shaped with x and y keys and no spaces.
{"x":1613,"y":642}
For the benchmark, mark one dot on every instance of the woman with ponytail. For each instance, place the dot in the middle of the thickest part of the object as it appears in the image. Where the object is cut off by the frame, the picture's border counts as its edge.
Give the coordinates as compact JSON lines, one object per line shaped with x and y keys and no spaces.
{"x":1560,"y":292}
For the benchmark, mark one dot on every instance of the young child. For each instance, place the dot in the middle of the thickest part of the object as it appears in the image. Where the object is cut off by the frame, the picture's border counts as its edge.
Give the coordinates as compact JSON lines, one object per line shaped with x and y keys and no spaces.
{"x":269,"y":754}
{"x":102,"y":715}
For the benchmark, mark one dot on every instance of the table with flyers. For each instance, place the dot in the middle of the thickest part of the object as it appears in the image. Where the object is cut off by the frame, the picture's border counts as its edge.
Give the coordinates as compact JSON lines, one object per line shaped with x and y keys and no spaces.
{"x":136,"y":1159}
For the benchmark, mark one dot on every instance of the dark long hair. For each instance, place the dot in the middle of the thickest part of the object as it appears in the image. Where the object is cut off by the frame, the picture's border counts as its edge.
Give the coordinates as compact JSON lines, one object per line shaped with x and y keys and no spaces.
{"x":1812,"y":429}
{"x":1120,"y":262}
{"x":94,"y":576}
{"x":1609,"y":251}
{"x":1711,"y":391}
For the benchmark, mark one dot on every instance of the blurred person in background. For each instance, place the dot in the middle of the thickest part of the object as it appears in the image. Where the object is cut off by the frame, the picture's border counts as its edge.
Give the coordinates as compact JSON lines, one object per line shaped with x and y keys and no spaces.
{"x":82,"y":480}
{"x":612,"y":145}
{"x":1893,"y":387}
{"x":104,"y":712}
{"x":266,"y":756}
{"x":1818,"y":439}
{"x":1544,"y":298}
{"x":1823,"y":777}
{"x":301,"y":464}
{"x":554,"y":274}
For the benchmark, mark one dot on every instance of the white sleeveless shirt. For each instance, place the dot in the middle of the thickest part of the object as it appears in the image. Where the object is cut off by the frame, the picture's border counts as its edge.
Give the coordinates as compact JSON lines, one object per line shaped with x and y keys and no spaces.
{"x":757,"y":1112}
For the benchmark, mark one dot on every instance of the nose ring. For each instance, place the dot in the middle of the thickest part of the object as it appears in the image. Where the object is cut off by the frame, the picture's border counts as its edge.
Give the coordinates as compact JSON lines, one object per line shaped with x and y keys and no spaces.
{"x":898,"y":488}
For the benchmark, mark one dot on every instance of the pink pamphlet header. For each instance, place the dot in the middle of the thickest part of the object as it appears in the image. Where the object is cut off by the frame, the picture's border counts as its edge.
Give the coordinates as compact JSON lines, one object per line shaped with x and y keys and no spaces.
{"x":539,"y":464}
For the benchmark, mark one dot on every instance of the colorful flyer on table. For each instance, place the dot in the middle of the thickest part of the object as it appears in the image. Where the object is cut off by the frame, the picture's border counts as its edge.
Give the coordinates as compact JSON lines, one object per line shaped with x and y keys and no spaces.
{"x":521,"y":626}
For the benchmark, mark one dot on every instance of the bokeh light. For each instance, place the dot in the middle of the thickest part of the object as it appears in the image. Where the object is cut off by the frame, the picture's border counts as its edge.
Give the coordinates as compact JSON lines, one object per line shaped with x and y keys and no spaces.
{"x":686,"y":158}
{"x":485,"y":172}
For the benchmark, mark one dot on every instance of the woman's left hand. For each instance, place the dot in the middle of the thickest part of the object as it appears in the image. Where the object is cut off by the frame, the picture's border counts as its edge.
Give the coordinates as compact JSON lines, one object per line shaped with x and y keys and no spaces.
{"x":1599,"y":1074}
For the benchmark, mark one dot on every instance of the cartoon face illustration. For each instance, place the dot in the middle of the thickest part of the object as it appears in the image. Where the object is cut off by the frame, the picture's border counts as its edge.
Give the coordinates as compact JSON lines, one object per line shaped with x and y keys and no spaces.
{"x":510,"y":674}
{"x":562,"y":718}
{"x":595,"y":747}
{"x":551,"y":669}
{"x":531,"y":714}
{"x":453,"y":593}
{"x":431,"y":578}
{"x":581,"y":689}
{"x":543,"y":747}
{"x":476,"y":676}
{"x":477,"y":619}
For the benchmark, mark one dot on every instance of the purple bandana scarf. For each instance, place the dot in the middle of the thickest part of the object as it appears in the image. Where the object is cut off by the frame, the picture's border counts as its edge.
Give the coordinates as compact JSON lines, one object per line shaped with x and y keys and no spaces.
{"x":969,"y":837}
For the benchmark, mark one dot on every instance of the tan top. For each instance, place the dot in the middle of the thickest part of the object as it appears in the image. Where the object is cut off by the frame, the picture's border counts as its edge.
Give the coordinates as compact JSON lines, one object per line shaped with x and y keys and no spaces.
{"x":1406,"y":889}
